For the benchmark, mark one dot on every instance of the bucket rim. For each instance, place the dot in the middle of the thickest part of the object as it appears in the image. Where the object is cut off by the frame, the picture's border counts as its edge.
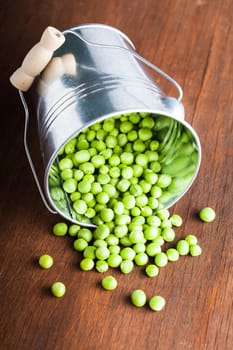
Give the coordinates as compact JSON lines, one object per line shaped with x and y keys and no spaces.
{"x":109,"y":115}
{"x":100,"y":25}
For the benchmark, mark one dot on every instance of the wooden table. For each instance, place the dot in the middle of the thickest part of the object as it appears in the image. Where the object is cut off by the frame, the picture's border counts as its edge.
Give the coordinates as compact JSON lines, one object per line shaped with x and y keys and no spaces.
{"x":192,"y":40}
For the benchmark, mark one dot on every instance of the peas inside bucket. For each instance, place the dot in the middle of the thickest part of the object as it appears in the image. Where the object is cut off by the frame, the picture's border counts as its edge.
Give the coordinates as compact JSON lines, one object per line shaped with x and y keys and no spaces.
{"x":124,"y":166}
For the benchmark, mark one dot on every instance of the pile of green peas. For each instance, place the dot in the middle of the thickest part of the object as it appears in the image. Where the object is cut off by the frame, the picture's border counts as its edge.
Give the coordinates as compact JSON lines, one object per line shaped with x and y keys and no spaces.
{"x":138,"y":243}
{"x":115,"y":170}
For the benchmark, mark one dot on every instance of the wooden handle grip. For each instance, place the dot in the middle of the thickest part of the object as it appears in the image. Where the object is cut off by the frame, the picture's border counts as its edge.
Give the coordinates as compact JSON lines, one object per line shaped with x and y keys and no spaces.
{"x":37,"y":59}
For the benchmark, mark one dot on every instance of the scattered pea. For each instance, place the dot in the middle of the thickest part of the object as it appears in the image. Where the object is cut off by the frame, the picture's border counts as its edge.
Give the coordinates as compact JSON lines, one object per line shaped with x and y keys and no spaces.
{"x":195,"y":250}
{"x":182,"y":247}
{"x":109,"y":283}
{"x":45,"y":261}
{"x":157,"y":303}
{"x":58,"y":289}
{"x":60,"y":229}
{"x":138,"y":298}
{"x":172,"y":254}
{"x":191,"y":239}
{"x":161,"y":259}
{"x":152,"y":270}
{"x":126,"y":266}
{"x":207,"y":214}
{"x":87,"y":264}
{"x":101,"y":266}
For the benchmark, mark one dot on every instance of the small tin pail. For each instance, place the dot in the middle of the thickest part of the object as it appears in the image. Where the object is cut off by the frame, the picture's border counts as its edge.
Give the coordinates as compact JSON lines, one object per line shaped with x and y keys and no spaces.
{"x":104,"y":77}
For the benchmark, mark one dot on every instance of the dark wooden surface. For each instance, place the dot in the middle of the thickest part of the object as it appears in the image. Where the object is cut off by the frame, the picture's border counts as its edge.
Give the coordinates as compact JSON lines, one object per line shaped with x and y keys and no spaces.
{"x":192,"y":40}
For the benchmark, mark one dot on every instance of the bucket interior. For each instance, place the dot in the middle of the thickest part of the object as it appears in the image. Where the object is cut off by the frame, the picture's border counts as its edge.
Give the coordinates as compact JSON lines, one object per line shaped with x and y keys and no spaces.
{"x":145,"y":160}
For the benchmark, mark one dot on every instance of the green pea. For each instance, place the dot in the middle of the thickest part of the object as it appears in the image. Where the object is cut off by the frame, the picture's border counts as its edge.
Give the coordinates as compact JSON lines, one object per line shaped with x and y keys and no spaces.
{"x":78,"y":174}
{"x":182,"y":247}
{"x":120,"y":230}
{"x":80,"y":244}
{"x":129,"y":201}
{"x":70,"y":185}
{"x":153,"y":220}
{"x":145,"y":134}
{"x":138,"y":298}
{"x":122,"y":219}
{"x":114,"y":260}
{"x":156,"y":191}
{"x":81,"y":157}
{"x":207,"y":214}
{"x":108,"y":125}
{"x":87,"y":168}
{"x":141,"y":259}
{"x":66,"y":174}
{"x":127,"y":253}
{"x":125,"y":241}
{"x":146,"y":211}
{"x":126,"y":126}
{"x":151,"y":232}
{"x":101,"y":232}
{"x":109,"y":283}
{"x":45,"y":261}
{"x":157,"y":303}
{"x":90,"y":252}
{"x":141,"y":200}
{"x":101,"y":266}
{"x":80,"y":206}
{"x":176,"y":220}
{"x":60,"y":229}
{"x":134,"y":118}
{"x":127,"y":158}
{"x":102,"y":198}
{"x":153,"y":249}
{"x":139,"y":146}
{"x":101,"y":134}
{"x":155,"y":167}
{"x":141,"y":159}
{"x":84,"y":186}
{"x":65,"y":163}
{"x":58,"y":289}
{"x":111,"y":239}
{"x":96,"y":188}
{"x":107,"y":215}
{"x":139,"y":247}
{"x":114,"y":249}
{"x":137,"y":170}
{"x":152,"y":270}
{"x":168,"y":234}
{"x":164,"y":180}
{"x":191,"y":239}
{"x":161,"y":259}
{"x":85,"y":233}
{"x":102,"y":253}
{"x":132,"y":135}
{"x":145,"y":186}
{"x":98,"y":161}
{"x":154,"y":145}
{"x":135,"y":211}
{"x":87,"y":264}
{"x":172,"y":254}
{"x":195,"y":250}
{"x":136,"y":236}
{"x":126,"y":266}
{"x":73,"y":230}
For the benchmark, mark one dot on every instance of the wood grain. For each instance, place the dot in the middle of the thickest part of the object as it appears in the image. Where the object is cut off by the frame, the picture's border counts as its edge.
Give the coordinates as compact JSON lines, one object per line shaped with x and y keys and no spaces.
{"x":192,"y":40}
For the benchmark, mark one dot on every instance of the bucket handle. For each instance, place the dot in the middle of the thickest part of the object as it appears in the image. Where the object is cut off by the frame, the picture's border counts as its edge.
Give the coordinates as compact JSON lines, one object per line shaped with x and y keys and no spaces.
{"x":29,"y":155}
{"x":33,"y":64}
{"x":135,"y":54}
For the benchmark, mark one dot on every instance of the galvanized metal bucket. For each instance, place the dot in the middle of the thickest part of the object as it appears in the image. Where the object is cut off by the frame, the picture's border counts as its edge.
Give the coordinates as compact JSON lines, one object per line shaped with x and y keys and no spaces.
{"x":104,"y":77}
